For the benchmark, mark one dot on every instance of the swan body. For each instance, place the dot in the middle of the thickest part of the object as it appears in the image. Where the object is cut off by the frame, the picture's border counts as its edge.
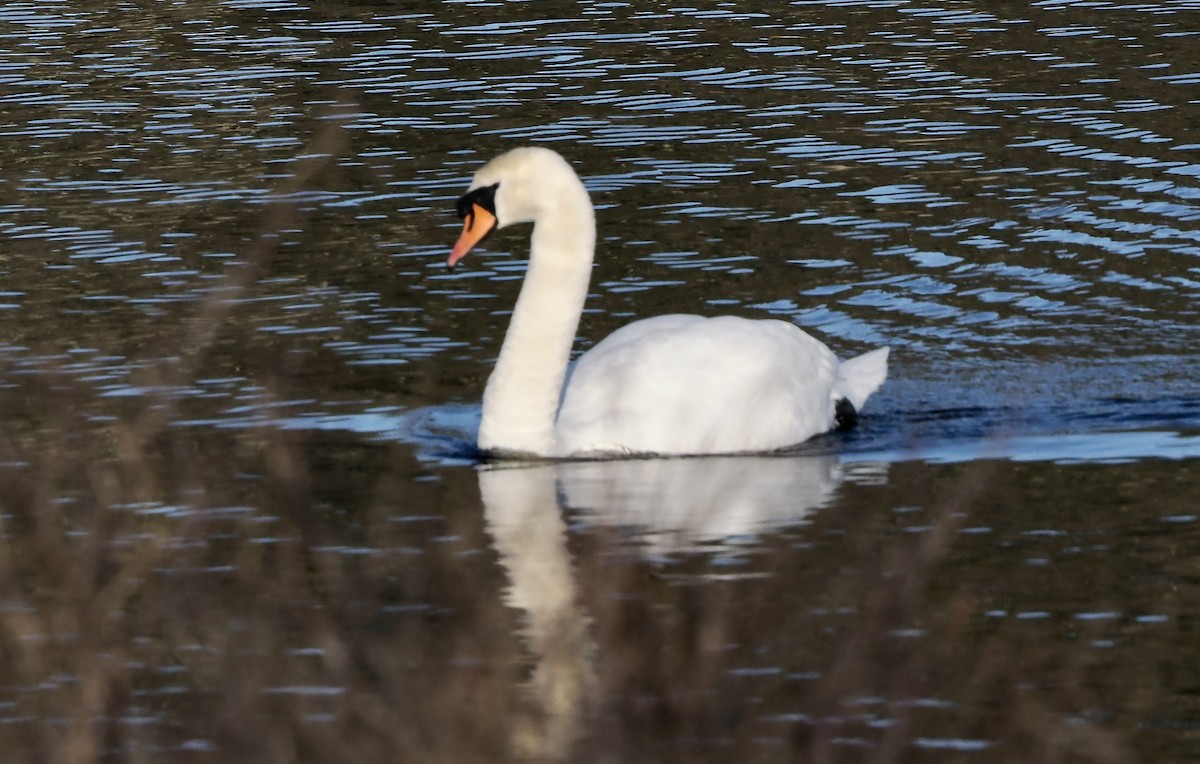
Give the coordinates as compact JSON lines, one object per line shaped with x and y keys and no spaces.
{"x":669,"y":385}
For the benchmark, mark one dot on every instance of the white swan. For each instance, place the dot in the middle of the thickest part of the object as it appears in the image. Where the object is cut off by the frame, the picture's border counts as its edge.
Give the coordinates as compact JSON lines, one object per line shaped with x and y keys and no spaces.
{"x":669,"y":385}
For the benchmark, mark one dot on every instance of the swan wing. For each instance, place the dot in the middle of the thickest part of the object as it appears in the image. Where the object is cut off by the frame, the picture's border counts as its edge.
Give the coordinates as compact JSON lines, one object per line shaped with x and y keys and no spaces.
{"x":687,"y":385}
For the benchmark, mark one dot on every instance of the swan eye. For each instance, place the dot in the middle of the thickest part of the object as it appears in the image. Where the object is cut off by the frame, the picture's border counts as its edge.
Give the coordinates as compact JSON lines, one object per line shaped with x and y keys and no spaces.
{"x":484,"y":196}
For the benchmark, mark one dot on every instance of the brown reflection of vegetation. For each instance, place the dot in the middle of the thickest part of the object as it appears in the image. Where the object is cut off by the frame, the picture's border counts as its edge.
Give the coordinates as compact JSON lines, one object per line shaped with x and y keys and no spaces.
{"x":869,"y":651}
{"x":144,"y":615}
{"x":327,"y":605}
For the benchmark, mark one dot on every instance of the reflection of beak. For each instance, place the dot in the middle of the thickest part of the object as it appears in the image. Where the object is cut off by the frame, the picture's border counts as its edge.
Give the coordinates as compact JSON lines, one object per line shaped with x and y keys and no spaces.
{"x":479,"y":223}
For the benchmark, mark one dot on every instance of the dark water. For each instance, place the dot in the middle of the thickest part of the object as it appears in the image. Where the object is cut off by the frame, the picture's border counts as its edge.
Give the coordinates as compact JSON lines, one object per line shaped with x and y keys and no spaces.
{"x":236,"y":380}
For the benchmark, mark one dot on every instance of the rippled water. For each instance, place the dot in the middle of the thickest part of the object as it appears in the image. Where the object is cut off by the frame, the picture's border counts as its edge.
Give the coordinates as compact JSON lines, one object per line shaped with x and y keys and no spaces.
{"x":969,"y":187}
{"x":223,"y":220}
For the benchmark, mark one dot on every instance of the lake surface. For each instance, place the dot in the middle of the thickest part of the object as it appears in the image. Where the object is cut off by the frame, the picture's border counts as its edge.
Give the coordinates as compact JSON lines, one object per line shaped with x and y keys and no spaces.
{"x":239,"y":520}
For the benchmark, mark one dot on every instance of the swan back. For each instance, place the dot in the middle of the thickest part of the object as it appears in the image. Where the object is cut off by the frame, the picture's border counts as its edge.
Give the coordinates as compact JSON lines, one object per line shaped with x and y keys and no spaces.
{"x":681,"y":384}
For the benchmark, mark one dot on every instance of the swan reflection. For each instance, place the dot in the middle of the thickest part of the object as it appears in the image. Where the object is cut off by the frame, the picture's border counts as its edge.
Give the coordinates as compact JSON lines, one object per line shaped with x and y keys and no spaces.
{"x":678,"y":505}
{"x":675,"y":505}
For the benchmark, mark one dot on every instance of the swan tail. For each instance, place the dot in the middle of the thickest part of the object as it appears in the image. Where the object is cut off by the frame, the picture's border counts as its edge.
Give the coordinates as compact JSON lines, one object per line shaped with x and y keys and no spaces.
{"x":859,"y":377}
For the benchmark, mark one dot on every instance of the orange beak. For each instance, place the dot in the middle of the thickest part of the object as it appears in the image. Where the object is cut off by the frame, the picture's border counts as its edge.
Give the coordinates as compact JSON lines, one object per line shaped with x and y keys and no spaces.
{"x":479,"y":223}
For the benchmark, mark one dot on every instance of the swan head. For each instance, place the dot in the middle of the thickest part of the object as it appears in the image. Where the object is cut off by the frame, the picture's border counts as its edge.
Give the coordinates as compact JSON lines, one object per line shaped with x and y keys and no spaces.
{"x":519,"y":186}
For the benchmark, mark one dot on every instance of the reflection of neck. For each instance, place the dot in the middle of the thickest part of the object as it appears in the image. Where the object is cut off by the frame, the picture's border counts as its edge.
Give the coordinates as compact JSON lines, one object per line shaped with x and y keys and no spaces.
{"x":521,"y":400}
{"x":522,"y":515}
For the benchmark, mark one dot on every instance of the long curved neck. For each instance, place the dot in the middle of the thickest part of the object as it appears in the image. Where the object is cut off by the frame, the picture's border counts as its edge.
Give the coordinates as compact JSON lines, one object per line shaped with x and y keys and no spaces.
{"x":521,"y":400}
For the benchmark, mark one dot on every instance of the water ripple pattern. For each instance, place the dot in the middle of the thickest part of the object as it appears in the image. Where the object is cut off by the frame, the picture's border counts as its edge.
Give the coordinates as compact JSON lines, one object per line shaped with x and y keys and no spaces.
{"x":960,"y":182}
